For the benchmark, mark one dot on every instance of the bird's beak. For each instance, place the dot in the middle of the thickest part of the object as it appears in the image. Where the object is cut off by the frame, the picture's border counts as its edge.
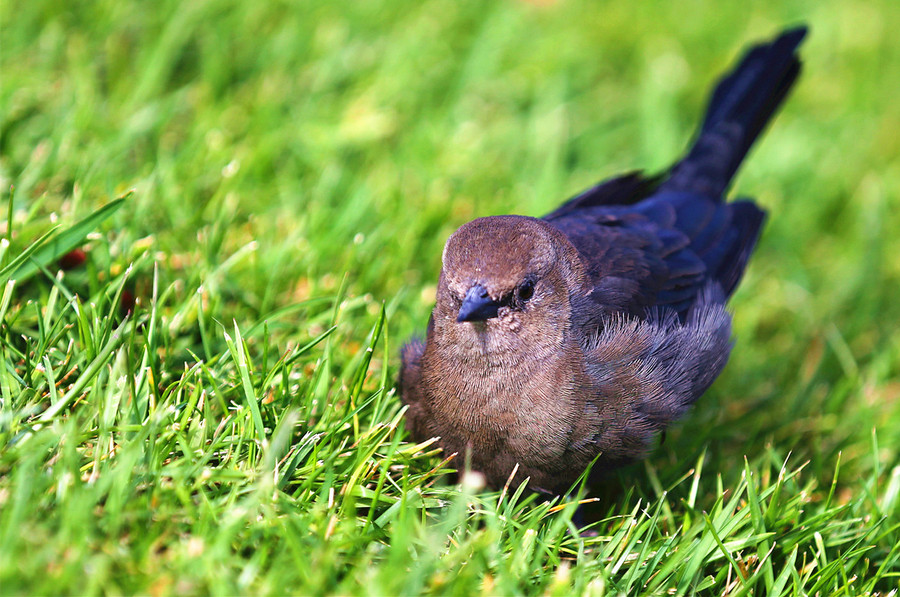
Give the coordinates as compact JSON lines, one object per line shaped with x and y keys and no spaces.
{"x":478,"y":305}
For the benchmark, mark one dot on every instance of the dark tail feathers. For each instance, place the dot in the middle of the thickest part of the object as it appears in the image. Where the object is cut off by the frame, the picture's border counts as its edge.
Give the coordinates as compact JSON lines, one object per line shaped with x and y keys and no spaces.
{"x":741,"y":105}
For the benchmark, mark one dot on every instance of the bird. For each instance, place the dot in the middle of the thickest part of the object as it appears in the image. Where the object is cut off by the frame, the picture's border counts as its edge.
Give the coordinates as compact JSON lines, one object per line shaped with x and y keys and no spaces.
{"x":570,"y":342}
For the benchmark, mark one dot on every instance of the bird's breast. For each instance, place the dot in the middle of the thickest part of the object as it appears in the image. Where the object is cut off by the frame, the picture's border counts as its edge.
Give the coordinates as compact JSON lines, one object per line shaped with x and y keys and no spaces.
{"x":501,"y":404}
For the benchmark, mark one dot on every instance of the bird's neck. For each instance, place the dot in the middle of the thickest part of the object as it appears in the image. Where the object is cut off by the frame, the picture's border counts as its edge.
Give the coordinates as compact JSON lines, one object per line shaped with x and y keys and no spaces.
{"x":481,"y":369}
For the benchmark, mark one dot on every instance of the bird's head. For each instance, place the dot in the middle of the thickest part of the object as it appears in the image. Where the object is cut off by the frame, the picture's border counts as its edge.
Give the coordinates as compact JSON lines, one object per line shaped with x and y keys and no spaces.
{"x":510,"y":277}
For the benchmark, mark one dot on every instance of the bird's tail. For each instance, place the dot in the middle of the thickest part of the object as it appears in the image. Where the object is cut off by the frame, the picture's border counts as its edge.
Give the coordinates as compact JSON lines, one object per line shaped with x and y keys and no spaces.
{"x":741,"y":105}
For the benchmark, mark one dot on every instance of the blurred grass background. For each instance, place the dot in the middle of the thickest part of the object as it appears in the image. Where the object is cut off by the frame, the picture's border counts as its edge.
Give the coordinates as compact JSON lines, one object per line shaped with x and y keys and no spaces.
{"x":285,"y":152}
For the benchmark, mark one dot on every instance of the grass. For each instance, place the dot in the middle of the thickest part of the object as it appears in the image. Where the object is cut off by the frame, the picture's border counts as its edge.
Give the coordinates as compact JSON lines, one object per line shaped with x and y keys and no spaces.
{"x":205,"y":403}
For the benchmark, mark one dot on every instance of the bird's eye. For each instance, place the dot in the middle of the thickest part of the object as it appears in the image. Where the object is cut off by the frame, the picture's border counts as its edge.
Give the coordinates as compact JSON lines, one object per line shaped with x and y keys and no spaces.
{"x":526,"y":290}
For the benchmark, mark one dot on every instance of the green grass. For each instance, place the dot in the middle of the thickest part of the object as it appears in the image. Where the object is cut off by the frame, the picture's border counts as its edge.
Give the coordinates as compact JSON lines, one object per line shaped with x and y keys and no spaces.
{"x":207,"y":403}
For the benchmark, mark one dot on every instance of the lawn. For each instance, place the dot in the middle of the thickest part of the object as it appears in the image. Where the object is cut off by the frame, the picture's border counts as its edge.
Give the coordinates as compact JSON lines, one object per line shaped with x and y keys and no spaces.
{"x":221,"y":220}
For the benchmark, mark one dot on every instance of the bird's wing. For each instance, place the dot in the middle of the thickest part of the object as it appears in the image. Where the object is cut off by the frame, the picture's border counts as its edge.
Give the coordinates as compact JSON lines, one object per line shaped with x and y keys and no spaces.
{"x":621,"y":190}
{"x":660,"y":250}
{"x":410,"y":383}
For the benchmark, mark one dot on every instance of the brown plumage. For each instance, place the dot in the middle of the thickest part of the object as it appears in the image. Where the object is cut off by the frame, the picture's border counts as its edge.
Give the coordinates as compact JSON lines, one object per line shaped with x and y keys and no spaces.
{"x":554,"y":341}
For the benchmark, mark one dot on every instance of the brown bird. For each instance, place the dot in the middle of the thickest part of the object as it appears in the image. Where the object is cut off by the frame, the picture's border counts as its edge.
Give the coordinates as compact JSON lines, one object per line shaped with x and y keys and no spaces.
{"x":581,"y":335}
